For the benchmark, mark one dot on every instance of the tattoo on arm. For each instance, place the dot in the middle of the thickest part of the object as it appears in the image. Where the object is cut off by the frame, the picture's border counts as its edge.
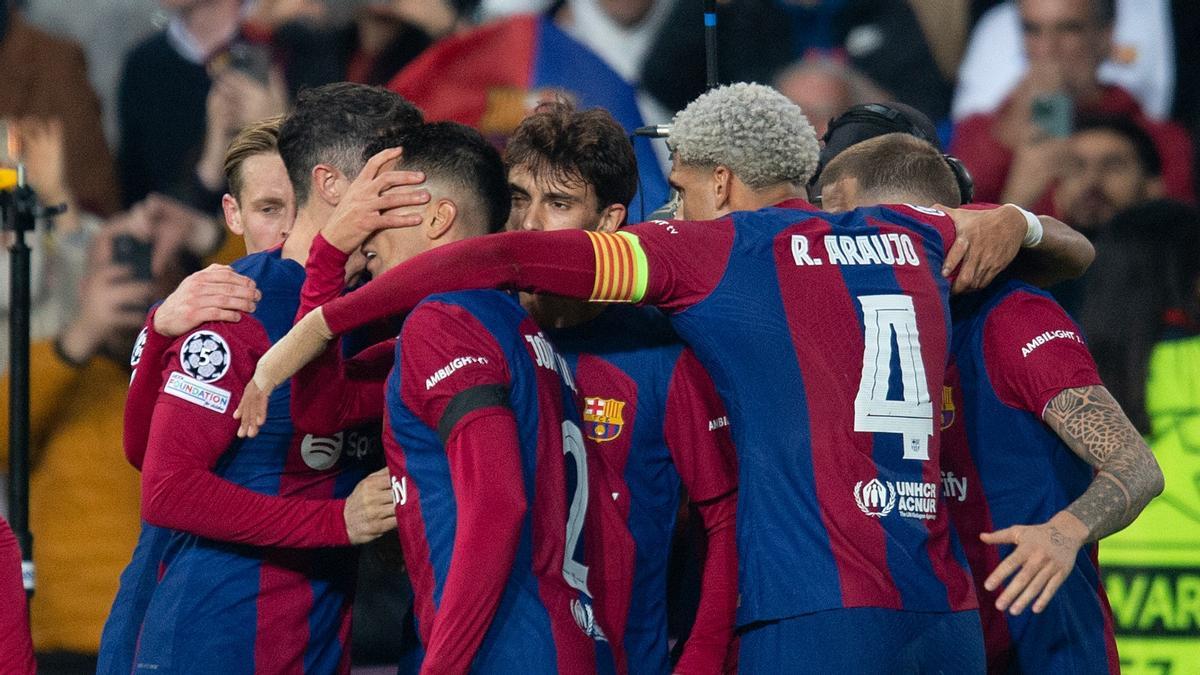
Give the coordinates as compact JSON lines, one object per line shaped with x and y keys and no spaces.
{"x":1093,"y":425}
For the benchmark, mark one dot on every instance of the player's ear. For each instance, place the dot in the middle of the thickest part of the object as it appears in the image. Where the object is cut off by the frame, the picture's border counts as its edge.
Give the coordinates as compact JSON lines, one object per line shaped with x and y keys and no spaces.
{"x":722,"y":187}
{"x":443,"y":214}
{"x":233,"y":215}
{"x":328,"y":183}
{"x":612,"y":217}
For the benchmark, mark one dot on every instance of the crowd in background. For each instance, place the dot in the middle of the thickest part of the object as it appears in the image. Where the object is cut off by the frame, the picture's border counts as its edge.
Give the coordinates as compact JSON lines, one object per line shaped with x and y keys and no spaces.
{"x":124,"y":109}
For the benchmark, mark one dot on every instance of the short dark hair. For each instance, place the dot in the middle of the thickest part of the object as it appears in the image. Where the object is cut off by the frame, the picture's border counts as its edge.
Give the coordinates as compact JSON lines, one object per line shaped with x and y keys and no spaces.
{"x":571,"y":146}
{"x":898,"y":165}
{"x":332,"y":123}
{"x":1139,"y":138}
{"x":1105,"y":11}
{"x":459,"y":155}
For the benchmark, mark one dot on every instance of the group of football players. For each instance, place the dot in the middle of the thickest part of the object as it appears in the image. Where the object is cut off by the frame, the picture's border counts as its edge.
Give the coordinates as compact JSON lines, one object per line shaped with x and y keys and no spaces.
{"x":889,"y":478}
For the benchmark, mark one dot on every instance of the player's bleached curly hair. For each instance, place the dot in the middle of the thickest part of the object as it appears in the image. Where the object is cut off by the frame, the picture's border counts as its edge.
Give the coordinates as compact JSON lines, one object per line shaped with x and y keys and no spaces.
{"x":754,"y":130}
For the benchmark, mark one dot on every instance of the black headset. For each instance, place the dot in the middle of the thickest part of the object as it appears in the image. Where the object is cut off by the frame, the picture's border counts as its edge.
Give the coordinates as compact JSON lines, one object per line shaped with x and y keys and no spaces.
{"x":889,"y":118}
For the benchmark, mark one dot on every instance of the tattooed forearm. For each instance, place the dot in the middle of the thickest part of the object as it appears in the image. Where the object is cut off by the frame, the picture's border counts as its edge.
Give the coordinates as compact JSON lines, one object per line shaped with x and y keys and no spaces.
{"x":1092,"y":424}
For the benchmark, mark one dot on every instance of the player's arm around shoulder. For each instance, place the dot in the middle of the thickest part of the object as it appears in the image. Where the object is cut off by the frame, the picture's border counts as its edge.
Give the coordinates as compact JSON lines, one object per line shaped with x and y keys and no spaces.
{"x":200,"y":372}
{"x":191,"y":423}
{"x":675,"y":263}
{"x":1038,"y":362}
{"x":204,"y":373}
{"x":987,"y":238}
{"x":216,"y":293}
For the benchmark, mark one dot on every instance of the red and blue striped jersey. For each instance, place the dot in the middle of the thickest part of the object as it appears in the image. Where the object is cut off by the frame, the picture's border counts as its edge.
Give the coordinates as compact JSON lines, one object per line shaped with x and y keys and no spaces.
{"x":118,"y":641}
{"x":489,"y":476}
{"x":1014,"y":349}
{"x":122,"y":628}
{"x":825,"y":335}
{"x":651,"y":415}
{"x":16,"y":646}
{"x":257,"y":575}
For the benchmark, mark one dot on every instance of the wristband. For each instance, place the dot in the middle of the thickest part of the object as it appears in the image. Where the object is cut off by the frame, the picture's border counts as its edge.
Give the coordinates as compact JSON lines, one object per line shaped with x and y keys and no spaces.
{"x":1033,"y":228}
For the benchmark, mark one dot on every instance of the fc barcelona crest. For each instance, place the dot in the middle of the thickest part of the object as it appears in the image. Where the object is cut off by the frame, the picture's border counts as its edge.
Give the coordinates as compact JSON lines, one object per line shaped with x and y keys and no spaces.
{"x":947,"y":407}
{"x":602,"y":420}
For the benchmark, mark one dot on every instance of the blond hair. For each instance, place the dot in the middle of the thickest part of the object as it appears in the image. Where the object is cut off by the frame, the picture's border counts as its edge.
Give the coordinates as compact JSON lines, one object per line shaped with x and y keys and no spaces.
{"x":259,"y":138}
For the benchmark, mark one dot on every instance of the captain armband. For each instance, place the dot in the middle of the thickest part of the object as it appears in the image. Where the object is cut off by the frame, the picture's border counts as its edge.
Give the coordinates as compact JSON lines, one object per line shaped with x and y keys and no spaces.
{"x":621,"y":269}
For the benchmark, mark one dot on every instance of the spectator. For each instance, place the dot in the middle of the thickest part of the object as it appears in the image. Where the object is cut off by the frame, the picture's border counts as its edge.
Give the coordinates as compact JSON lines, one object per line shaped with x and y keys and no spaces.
{"x":379,"y":40}
{"x":235,"y":101}
{"x":84,"y":500}
{"x":622,"y":35}
{"x":1015,"y":153}
{"x":46,"y":78}
{"x":491,"y":77}
{"x":1140,"y":61}
{"x":173,"y":132}
{"x":1111,"y":164}
{"x":881,"y":38}
{"x":1142,"y":317}
{"x":825,"y":87}
{"x":107,"y":31}
{"x":56,"y":253}
{"x":390,"y":34}
{"x":945,"y":24}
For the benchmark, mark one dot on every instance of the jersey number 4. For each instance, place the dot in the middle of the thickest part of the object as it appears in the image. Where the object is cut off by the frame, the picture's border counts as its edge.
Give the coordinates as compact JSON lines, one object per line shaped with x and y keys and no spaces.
{"x":891,"y":342}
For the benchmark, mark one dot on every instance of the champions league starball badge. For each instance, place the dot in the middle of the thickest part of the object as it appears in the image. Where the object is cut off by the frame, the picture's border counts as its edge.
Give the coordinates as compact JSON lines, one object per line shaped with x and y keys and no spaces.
{"x":138,"y":347}
{"x":205,"y":356}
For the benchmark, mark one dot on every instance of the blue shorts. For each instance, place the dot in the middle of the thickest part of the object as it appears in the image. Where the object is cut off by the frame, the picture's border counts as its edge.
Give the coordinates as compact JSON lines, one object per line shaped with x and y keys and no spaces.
{"x":865,"y":640}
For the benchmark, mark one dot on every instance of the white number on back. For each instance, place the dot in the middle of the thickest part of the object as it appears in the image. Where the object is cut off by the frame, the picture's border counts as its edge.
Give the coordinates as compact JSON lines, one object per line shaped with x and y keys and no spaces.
{"x":883,"y":316}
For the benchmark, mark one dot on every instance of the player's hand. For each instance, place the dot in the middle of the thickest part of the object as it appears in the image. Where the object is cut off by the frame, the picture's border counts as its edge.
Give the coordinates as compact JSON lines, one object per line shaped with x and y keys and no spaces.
{"x":370,"y":511}
{"x":368,"y":203}
{"x":252,"y":410}
{"x":215,"y":293}
{"x":985,"y":243}
{"x":1043,"y":558}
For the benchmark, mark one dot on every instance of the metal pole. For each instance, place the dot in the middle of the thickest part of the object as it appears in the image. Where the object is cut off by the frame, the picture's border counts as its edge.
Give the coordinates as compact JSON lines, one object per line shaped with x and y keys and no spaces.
{"x":710,"y":42}
{"x":20,"y":217}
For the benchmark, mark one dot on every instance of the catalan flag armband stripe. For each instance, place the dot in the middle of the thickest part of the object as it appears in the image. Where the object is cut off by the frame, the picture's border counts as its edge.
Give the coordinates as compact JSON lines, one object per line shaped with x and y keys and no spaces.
{"x":621,"y":270}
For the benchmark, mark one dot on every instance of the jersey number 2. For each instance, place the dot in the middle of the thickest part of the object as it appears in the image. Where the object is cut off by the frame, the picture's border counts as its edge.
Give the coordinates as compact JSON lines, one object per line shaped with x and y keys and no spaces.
{"x":885,"y":317}
{"x":574,"y":571}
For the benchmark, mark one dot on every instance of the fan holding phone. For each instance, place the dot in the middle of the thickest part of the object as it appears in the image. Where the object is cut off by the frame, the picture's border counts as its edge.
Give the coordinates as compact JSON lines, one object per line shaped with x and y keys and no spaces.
{"x":246,"y":88}
{"x":1017,"y":153}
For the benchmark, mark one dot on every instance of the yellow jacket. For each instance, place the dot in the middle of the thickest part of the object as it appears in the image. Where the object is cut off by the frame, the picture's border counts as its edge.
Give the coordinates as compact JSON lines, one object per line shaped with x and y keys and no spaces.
{"x":1151,"y":569}
{"x":84,"y":497}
